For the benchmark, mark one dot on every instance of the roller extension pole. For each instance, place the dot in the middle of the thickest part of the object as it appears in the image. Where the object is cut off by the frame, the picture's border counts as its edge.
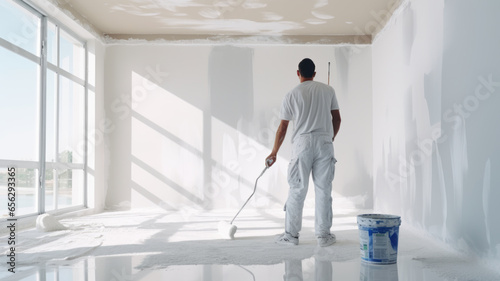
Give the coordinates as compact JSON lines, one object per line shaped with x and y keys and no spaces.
{"x":328,"y":73}
{"x":227,"y":230}
{"x":254,"y":189}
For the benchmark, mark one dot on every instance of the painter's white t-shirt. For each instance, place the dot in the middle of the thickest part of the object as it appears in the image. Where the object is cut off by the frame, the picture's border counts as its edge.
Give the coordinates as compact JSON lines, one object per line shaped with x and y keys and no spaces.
{"x":309,"y":106}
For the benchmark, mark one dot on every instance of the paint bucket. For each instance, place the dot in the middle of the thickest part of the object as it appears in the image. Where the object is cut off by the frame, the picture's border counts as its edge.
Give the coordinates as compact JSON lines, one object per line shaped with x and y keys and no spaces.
{"x":378,"y":238}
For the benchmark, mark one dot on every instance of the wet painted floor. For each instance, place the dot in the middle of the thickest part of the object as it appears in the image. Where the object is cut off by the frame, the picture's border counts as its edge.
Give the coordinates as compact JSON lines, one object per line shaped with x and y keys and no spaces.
{"x":159,"y":245}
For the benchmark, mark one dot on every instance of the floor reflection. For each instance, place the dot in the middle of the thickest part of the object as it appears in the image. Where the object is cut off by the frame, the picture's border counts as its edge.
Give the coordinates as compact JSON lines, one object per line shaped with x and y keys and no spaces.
{"x":313,"y":269}
{"x":377,"y":272}
{"x":323,"y":270}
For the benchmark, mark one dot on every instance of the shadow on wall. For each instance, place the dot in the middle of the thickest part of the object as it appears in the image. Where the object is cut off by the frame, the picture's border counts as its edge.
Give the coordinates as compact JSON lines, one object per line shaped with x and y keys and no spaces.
{"x":194,"y":151}
{"x":230,"y":73}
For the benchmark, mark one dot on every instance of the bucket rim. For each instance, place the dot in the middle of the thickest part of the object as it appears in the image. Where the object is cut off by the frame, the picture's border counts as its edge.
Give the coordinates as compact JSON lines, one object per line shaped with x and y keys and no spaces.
{"x":378,"y":216}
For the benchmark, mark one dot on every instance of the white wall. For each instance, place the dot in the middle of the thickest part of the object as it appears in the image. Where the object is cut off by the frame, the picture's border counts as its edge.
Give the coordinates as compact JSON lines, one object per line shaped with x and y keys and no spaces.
{"x":436,"y":135}
{"x":191,"y":125}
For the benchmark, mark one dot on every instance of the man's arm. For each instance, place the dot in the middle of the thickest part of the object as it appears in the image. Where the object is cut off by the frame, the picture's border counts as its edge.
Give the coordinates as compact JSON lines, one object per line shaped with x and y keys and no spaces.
{"x":280,"y":136}
{"x":335,"y":122}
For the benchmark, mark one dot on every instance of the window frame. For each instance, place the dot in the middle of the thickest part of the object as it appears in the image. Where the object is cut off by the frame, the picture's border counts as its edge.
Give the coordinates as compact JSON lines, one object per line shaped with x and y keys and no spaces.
{"x":45,"y":66}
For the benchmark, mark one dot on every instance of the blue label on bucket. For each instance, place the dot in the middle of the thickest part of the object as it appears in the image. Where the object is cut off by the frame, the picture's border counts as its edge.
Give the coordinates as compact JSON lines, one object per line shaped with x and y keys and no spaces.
{"x":378,"y":244}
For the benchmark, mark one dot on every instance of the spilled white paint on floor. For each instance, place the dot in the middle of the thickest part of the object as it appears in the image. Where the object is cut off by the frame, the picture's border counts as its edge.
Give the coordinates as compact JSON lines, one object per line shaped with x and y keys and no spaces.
{"x":48,"y":223}
{"x":150,"y":244}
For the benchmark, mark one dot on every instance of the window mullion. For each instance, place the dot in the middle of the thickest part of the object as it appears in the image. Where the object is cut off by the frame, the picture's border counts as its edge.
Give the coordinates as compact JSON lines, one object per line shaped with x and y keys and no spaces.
{"x":58,"y":46}
{"x":20,"y":51}
{"x":43,"y":114}
{"x":56,"y":117}
{"x":86,"y":126}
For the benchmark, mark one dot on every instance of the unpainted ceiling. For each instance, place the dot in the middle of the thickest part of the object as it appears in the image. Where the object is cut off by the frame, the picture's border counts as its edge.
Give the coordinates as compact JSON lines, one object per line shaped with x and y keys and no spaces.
{"x":235,"y":17}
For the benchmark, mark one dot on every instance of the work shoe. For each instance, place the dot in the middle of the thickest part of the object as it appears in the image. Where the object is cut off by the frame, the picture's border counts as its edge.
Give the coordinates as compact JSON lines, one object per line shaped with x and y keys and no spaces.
{"x":326,"y":240}
{"x":287,"y":239}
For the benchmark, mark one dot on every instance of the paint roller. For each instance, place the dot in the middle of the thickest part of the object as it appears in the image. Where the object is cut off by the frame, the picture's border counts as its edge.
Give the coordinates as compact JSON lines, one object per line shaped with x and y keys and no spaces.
{"x":227,"y":230}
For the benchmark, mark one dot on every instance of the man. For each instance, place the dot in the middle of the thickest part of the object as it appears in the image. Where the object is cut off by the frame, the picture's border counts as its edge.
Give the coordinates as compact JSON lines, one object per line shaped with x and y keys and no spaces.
{"x":313,"y":108}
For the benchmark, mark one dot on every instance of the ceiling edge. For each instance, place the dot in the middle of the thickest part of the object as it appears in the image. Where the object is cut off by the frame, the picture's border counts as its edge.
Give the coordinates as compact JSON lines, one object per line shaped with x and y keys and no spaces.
{"x":396,"y":11}
{"x":137,"y":39}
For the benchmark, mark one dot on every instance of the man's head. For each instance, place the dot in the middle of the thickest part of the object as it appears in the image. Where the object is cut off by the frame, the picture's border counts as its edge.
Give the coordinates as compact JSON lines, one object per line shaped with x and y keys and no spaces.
{"x":306,"y":69}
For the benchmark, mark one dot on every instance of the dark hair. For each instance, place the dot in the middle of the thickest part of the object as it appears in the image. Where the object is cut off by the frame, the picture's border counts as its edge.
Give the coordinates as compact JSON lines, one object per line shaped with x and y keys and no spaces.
{"x":306,"y":68}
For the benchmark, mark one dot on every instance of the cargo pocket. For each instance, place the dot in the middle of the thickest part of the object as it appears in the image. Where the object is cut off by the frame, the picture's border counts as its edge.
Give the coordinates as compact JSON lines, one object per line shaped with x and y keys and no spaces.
{"x":332,"y":169}
{"x":293,"y":172}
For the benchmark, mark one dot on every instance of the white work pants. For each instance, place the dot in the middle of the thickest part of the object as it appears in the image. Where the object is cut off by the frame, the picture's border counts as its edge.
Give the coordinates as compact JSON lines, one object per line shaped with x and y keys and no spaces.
{"x":310,"y":153}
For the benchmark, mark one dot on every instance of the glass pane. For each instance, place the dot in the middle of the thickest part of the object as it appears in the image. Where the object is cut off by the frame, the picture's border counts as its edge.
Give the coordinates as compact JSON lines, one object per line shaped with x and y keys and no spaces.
{"x":25,"y":191}
{"x":51,"y":274}
{"x":50,"y":152}
{"x":19,"y":26}
{"x":19,"y":103}
{"x":71,"y":122}
{"x":70,"y":188}
{"x":52,"y":43}
{"x":4,"y":193}
{"x":49,"y":189}
{"x":72,"y":55}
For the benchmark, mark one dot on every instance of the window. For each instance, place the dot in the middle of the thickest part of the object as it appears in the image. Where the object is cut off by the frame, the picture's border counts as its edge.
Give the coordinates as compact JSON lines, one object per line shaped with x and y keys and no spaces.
{"x":43,"y":111}
{"x":65,"y":120}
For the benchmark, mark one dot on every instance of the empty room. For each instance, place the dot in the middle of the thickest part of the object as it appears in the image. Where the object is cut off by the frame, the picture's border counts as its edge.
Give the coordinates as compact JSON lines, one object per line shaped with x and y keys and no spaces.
{"x":249,"y":140}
